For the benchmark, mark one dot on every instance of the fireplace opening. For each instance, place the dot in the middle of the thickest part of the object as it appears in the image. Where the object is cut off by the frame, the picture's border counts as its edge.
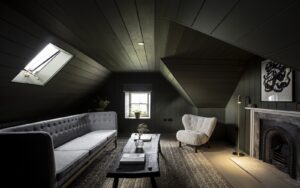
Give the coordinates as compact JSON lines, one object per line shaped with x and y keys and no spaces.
{"x":279,"y":153}
{"x":277,"y":146}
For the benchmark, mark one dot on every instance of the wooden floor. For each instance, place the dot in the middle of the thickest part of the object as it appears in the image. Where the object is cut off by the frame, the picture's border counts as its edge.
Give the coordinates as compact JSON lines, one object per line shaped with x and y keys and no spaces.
{"x":245,"y":172}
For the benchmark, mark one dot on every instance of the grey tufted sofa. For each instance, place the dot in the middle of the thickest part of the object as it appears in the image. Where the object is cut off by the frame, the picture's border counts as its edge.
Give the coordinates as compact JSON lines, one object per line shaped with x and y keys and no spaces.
{"x":51,"y":153}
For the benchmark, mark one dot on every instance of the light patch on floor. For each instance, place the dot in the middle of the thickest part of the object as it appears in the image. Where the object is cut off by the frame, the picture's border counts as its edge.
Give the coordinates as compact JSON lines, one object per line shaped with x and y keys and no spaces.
{"x":265,"y":173}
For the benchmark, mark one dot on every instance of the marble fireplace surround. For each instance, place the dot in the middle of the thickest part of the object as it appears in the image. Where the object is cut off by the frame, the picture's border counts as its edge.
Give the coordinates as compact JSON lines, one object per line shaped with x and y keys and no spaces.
{"x":256,"y":114}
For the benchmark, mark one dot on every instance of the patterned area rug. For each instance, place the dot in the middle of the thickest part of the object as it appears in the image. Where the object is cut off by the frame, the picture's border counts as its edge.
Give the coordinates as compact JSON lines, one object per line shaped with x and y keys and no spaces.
{"x":179,"y":168}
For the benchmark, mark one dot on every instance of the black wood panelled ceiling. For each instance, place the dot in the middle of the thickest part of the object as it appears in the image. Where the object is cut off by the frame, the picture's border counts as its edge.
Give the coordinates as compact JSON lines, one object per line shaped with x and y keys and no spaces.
{"x":110,"y":31}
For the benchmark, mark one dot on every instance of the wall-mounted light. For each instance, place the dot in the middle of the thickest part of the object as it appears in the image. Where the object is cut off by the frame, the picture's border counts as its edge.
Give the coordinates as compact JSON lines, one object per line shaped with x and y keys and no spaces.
{"x":141,"y":44}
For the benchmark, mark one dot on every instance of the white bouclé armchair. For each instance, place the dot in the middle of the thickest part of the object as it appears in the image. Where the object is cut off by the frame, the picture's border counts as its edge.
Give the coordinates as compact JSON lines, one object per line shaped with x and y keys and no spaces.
{"x":197,"y":131}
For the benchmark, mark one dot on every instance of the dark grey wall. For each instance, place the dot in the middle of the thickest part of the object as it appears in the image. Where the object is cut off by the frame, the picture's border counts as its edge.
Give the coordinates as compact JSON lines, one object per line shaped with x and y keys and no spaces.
{"x":249,"y":85}
{"x":166,"y":102}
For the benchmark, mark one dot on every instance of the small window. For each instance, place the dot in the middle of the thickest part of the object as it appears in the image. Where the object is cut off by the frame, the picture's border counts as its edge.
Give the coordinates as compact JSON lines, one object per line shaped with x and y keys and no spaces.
{"x":137,"y":102}
{"x":44,"y":66}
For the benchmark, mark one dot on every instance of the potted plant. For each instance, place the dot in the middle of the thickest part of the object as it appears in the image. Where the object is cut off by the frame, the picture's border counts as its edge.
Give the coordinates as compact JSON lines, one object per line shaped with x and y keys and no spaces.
{"x":141,"y":129}
{"x":102,"y":104}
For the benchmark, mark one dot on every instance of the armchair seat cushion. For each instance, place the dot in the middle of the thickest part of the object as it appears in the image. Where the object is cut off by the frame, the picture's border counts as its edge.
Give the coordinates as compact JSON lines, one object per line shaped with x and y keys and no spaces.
{"x":66,"y":161}
{"x":192,"y":137}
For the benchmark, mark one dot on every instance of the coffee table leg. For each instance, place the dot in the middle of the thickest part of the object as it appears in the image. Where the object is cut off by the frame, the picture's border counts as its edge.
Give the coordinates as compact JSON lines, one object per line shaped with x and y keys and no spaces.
{"x":153,"y":182}
{"x":159,"y":148}
{"x":116,"y":182}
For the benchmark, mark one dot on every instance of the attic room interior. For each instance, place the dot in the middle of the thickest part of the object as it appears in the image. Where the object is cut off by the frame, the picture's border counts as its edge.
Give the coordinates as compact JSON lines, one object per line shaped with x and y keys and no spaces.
{"x":149,"y":93}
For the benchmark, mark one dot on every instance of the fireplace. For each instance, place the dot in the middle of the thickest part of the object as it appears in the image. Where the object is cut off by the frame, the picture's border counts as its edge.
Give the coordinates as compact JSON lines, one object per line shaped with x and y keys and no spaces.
{"x":277,"y":145}
{"x":275,"y":139}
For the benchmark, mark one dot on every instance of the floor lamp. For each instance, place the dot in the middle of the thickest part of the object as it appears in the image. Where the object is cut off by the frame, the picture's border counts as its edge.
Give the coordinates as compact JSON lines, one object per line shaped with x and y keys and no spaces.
{"x":237,"y":152}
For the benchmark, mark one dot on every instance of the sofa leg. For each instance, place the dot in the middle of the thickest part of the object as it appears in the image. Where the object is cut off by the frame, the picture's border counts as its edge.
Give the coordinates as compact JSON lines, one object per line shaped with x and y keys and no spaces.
{"x":196,"y":149}
{"x":180,"y":144}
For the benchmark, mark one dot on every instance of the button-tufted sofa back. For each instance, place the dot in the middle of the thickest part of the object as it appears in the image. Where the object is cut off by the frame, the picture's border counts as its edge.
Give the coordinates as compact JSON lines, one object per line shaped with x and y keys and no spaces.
{"x":103,"y":120}
{"x":61,"y":130}
{"x":67,"y":128}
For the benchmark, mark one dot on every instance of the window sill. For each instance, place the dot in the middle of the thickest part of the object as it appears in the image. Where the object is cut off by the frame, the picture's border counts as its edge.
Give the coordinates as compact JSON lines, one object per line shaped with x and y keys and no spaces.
{"x":139,"y":118}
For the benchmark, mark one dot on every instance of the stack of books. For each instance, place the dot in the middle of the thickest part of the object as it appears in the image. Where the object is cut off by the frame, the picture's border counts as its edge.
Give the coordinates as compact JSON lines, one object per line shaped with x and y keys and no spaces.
{"x":132,"y":158}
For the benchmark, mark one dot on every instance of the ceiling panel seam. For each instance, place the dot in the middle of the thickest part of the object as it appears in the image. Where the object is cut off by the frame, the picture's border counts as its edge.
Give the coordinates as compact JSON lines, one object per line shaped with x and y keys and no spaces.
{"x":224,"y":18}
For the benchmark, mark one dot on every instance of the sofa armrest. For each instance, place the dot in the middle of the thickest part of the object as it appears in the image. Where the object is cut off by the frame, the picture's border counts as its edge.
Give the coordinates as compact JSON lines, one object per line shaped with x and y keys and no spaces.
{"x":27,"y":160}
{"x":103,"y":121}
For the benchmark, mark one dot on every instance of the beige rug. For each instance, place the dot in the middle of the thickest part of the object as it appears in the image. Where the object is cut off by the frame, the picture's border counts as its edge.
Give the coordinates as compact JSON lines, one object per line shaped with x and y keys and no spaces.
{"x":180,"y":168}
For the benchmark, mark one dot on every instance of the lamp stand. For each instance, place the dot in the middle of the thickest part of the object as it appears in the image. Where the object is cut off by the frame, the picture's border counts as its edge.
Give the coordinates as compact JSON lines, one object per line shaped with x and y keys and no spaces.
{"x":237,"y":152}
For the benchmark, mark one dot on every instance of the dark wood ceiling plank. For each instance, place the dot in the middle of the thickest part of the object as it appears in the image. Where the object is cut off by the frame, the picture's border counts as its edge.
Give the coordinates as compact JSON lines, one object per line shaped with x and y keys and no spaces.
{"x":113,"y":17}
{"x":18,"y":36}
{"x":171,"y":8}
{"x":246,"y":16}
{"x":130,"y":16}
{"x":268,"y":38}
{"x":188,"y":10}
{"x":95,"y":30}
{"x":146,"y":12}
{"x":211,"y":14}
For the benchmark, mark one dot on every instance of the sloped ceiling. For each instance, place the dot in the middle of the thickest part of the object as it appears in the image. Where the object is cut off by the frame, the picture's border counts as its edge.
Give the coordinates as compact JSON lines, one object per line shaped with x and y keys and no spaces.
{"x":109,"y":32}
{"x":206,"y":68}
{"x":20,"y":40}
{"x":106,"y":30}
{"x":269,"y":29}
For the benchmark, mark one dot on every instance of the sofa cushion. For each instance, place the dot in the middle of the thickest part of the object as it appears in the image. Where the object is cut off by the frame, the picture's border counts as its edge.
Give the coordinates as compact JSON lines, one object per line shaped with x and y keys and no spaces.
{"x":83,"y":143}
{"x":102,"y":133}
{"x":191,"y":137}
{"x":65,"y":161}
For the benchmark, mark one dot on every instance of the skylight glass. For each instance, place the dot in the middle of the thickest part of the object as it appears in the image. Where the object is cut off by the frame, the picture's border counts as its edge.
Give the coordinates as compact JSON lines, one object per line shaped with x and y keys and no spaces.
{"x":44,"y":65}
{"x":42,"y":58}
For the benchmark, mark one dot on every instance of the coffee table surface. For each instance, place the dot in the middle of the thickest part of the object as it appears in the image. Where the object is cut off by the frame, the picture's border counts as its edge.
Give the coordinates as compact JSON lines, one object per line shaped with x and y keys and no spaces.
{"x":149,"y":169}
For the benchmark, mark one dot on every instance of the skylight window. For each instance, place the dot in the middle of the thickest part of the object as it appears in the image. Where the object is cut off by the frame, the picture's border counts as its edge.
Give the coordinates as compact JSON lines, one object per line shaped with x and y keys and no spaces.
{"x":44,"y":66}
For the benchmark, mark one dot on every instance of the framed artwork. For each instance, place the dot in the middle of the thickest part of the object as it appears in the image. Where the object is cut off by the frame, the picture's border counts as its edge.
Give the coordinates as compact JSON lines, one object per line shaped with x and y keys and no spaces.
{"x":276,"y":82}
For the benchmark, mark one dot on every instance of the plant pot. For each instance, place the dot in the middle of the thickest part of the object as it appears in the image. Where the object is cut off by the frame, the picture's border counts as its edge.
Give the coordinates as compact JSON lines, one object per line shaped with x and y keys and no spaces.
{"x":137,"y":115}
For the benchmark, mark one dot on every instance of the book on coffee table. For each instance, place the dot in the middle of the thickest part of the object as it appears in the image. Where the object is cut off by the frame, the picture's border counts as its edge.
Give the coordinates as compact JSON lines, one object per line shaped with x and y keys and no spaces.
{"x":133,"y":158}
{"x":144,"y":137}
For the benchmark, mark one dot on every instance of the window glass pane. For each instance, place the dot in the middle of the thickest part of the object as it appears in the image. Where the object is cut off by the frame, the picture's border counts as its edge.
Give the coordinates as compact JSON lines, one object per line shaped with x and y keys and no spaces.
{"x":139,"y":97}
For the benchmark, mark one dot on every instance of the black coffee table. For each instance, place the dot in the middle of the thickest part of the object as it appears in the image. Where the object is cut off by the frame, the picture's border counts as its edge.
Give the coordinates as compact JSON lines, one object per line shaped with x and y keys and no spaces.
{"x":149,"y":169}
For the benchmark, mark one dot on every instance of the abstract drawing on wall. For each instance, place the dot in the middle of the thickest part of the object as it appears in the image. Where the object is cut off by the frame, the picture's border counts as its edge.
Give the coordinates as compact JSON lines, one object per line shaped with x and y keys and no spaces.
{"x":276,"y":82}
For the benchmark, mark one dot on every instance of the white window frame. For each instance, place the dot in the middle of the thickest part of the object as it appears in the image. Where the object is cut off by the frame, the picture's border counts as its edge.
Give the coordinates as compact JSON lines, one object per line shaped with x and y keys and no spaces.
{"x":128,"y":103}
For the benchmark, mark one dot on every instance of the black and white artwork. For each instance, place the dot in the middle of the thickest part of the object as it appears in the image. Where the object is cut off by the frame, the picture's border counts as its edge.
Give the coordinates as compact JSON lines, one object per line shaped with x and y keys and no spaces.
{"x":277,"y":82}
